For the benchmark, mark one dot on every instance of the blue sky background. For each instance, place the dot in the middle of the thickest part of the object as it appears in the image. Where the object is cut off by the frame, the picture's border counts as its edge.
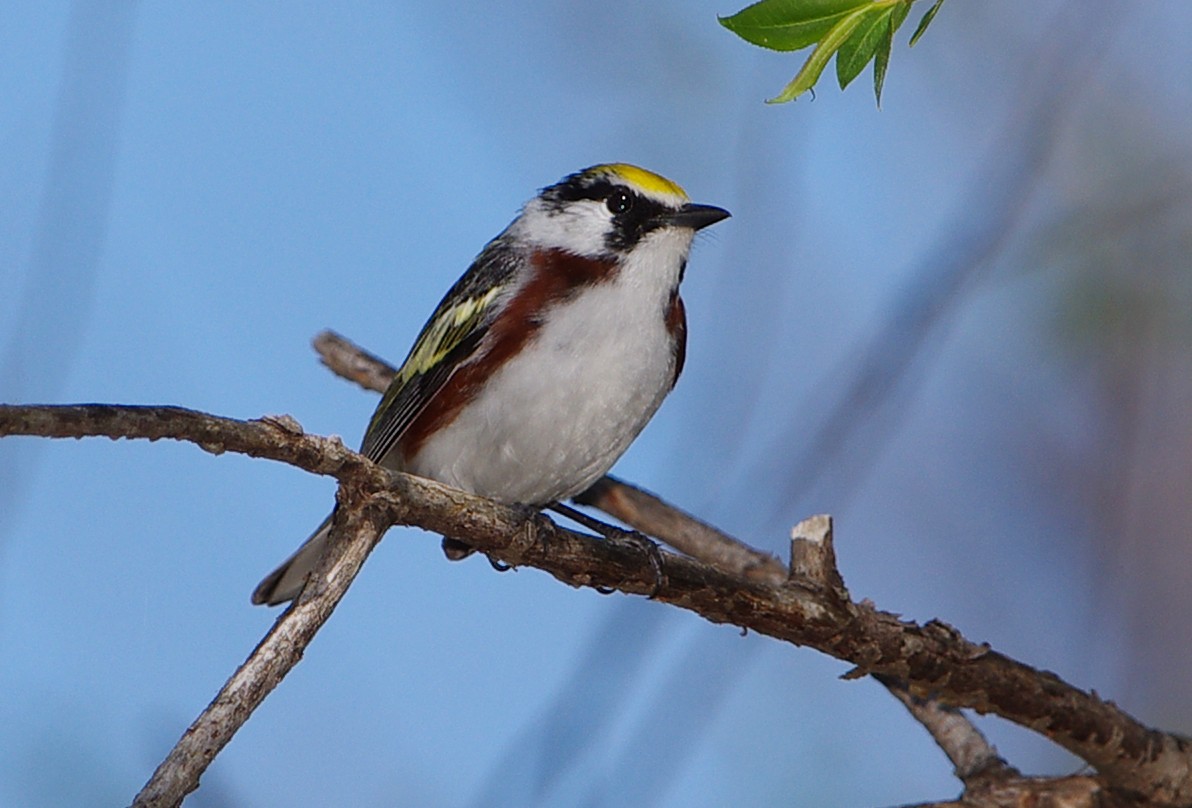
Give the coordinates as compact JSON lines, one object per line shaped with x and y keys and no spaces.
{"x":191,"y":192}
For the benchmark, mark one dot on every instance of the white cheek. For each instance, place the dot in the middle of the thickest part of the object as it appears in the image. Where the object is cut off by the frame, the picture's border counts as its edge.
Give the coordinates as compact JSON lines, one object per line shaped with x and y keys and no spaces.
{"x":581,"y":227}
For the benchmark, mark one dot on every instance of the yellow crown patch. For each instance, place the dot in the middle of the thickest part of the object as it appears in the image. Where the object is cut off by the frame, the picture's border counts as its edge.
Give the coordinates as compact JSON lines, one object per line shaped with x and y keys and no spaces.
{"x":644,"y":180}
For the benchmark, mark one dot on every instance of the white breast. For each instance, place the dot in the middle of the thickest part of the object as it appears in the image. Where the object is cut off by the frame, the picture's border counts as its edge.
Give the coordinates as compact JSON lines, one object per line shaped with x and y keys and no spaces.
{"x":557,"y":416}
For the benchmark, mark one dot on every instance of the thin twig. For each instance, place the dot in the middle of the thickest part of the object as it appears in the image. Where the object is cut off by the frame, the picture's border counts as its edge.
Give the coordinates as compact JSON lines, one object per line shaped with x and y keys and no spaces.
{"x":973,"y":757}
{"x":647,"y":513}
{"x":274,"y":437}
{"x":353,"y":536}
{"x":347,"y":359}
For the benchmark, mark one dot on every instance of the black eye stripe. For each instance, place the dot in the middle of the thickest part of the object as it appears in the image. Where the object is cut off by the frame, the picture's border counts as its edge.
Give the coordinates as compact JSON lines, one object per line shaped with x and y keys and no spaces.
{"x":574,"y":189}
{"x":634,"y":214}
{"x":629,"y":227}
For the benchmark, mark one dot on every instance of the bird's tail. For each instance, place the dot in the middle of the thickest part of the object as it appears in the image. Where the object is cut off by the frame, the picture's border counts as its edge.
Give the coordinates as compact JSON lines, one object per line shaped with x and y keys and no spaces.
{"x":285,"y":582}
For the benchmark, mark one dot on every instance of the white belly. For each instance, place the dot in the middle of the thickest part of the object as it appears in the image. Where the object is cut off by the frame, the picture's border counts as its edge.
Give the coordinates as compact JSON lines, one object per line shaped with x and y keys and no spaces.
{"x":557,"y":416}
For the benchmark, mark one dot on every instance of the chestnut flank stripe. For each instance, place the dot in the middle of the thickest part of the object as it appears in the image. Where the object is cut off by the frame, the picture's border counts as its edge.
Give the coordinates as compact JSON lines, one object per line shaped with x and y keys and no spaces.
{"x":556,"y":275}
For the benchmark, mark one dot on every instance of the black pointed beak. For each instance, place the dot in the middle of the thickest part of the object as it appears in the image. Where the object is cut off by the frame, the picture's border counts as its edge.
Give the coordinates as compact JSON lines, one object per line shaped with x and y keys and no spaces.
{"x":696,"y":216}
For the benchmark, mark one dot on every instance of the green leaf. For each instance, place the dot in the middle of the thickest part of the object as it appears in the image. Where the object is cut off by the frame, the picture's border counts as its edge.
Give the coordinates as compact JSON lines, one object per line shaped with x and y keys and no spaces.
{"x":926,"y":21}
{"x":809,"y":74}
{"x":898,"y":16}
{"x":787,"y":25}
{"x":859,"y":48}
{"x":881,"y":59}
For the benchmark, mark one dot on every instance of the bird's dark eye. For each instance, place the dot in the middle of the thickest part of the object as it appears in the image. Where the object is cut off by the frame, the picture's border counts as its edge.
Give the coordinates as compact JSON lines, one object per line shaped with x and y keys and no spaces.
{"x":619,"y":201}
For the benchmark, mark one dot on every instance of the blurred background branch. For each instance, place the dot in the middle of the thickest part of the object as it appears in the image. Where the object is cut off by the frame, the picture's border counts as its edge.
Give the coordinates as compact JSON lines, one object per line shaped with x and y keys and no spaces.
{"x":859,"y":412}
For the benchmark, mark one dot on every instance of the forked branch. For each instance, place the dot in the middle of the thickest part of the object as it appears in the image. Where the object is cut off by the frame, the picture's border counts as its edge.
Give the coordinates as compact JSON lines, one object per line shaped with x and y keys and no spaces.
{"x":811,"y":608}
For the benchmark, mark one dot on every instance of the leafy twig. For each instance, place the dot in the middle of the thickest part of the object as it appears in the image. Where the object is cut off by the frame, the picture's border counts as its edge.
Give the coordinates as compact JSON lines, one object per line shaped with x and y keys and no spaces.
{"x":856,"y":32}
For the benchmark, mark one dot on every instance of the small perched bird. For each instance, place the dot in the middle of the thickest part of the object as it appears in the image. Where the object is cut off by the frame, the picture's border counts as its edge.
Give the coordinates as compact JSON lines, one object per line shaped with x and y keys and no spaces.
{"x":548,"y":357}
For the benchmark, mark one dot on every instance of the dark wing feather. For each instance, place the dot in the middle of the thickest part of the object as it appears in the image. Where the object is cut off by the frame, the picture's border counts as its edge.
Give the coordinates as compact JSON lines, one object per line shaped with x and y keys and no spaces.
{"x":450,"y":337}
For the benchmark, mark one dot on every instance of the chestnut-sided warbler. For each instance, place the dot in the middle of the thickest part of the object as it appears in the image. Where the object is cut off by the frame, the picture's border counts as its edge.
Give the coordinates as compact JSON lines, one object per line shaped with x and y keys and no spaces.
{"x":547,"y":358}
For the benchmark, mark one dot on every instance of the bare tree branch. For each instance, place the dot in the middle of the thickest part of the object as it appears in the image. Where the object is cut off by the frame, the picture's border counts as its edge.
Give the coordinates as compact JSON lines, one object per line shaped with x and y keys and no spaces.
{"x":347,"y":359}
{"x":974,"y":759}
{"x":645,"y":512}
{"x":812,"y":557}
{"x":273,"y":438}
{"x":933,"y":658}
{"x":1038,"y":792}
